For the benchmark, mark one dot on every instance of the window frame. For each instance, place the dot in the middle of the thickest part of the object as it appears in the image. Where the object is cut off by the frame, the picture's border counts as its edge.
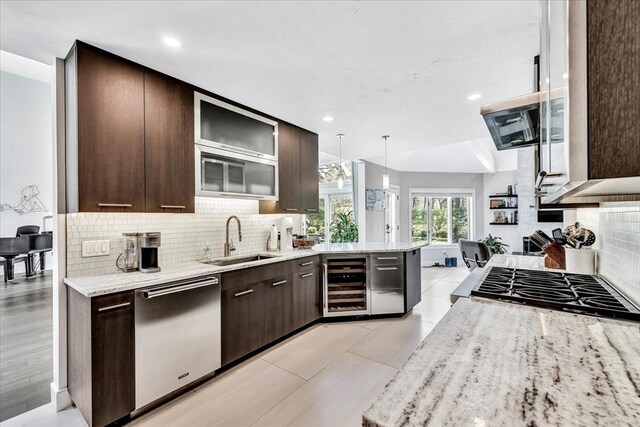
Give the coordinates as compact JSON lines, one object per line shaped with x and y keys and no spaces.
{"x":448,"y":193}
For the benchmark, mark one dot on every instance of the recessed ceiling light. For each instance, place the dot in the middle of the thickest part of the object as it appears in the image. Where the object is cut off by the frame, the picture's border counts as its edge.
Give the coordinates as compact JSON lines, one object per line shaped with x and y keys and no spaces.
{"x":170,"y":41}
{"x":474,"y":96}
{"x":565,"y":75}
{"x":327,"y":118}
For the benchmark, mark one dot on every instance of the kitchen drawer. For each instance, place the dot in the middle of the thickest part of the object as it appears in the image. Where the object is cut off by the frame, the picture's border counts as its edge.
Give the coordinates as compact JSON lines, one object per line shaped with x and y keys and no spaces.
{"x":388,"y":258}
{"x":305,"y":264}
{"x":386,"y":277}
{"x":387,"y":301}
{"x":236,"y":279}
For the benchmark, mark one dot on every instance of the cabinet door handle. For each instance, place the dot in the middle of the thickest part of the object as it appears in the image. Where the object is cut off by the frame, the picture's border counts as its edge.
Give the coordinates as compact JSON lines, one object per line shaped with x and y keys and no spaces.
{"x":113,"y":307}
{"x":381,"y":258}
{"x":325,"y":285}
{"x":239,"y":294}
{"x":307,"y":275}
{"x":282,"y":282}
{"x":114,"y":205}
{"x":311,"y":210}
{"x":291,"y":210}
{"x":172,"y":207}
{"x":306,"y":263}
{"x":386,"y":268}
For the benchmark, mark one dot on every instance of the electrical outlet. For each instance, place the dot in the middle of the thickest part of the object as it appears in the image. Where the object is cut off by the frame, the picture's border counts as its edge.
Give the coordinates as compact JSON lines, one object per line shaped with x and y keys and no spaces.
{"x":91,"y":248}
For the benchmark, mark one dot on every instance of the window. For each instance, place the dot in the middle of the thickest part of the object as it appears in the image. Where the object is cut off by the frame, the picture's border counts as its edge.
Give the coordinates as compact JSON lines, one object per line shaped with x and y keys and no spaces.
{"x":333,"y":202}
{"x":439,"y":218}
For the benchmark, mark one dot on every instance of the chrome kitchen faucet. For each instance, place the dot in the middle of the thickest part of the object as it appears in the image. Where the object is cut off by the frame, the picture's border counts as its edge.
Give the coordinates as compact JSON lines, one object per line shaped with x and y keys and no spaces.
{"x":228,"y":247}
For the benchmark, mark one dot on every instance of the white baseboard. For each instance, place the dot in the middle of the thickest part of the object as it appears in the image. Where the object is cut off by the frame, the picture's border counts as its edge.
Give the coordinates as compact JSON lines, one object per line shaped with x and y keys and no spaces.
{"x":60,"y":399}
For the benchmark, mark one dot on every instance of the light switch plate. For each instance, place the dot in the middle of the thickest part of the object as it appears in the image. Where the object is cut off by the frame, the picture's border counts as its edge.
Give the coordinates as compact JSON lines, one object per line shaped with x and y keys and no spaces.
{"x":91,"y":248}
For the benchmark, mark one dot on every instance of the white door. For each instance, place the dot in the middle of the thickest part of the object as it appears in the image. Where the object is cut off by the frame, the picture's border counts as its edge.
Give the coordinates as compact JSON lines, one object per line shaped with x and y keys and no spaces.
{"x":391,"y":215}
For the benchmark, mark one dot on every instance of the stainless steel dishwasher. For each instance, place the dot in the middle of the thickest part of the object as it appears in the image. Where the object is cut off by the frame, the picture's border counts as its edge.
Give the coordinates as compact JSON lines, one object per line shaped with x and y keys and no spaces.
{"x":177,"y":327}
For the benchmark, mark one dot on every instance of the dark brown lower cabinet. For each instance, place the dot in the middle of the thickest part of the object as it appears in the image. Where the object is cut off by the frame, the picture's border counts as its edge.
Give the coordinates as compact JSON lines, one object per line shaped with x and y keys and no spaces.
{"x":101,"y":358}
{"x":307,"y":297}
{"x":277,"y":305}
{"x":241,"y":319}
{"x":412,"y":279}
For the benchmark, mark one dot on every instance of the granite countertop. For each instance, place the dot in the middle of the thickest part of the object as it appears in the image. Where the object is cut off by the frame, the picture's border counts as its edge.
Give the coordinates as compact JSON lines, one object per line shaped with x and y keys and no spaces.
{"x":508,"y":261}
{"x":327,"y":248}
{"x":91,"y":286}
{"x":491,"y":363}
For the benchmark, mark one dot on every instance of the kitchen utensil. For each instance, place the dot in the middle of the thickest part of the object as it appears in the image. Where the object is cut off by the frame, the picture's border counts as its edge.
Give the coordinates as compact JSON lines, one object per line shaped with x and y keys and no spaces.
{"x":591,"y":238}
{"x":559,"y":237}
{"x":539,"y":241}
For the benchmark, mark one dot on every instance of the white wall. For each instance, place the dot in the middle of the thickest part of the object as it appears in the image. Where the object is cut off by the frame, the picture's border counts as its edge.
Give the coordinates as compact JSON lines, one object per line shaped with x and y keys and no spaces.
{"x":26,"y":150}
{"x":527,"y":213}
{"x":498,"y":183}
{"x":374,"y":220}
{"x":409,"y":180}
{"x":374,"y":227}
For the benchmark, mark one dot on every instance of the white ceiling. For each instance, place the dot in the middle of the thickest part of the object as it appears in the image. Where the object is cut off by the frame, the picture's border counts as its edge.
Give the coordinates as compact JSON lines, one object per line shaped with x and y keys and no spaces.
{"x":398,"y":68}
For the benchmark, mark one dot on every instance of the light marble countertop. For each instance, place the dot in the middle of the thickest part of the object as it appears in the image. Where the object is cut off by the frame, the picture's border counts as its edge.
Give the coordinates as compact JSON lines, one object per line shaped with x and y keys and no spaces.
{"x":327,"y":248}
{"x":491,"y":363}
{"x":91,"y":286}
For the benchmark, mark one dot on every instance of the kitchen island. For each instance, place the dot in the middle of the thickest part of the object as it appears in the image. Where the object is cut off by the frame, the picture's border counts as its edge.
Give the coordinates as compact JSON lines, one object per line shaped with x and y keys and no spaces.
{"x":493,"y":363}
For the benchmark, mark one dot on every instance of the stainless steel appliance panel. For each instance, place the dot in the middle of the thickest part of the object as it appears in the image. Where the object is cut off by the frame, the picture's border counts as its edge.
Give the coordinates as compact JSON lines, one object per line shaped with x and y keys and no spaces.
{"x":177,"y":329}
{"x":387,"y":288}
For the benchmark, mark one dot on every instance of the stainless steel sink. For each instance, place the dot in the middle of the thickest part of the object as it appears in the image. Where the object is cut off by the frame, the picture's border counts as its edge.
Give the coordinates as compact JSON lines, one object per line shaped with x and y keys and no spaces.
{"x":238,"y":260}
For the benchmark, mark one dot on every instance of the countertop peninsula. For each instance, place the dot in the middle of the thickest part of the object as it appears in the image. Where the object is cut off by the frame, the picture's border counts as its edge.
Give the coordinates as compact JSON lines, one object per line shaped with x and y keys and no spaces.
{"x":91,"y":286}
{"x":491,"y":363}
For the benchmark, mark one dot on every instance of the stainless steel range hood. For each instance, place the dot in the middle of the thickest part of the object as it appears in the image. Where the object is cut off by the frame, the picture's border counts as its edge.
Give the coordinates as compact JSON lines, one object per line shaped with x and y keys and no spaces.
{"x":514,"y":123}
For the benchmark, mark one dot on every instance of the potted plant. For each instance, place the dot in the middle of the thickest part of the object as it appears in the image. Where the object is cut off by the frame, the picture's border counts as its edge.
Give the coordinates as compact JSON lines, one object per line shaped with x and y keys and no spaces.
{"x":344,"y":228}
{"x":495,"y":245}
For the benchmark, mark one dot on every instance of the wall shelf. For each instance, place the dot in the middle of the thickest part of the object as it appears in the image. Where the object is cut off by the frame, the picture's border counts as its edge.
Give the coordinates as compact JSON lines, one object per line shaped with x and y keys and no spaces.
{"x":503,"y":223}
{"x":497,"y":209}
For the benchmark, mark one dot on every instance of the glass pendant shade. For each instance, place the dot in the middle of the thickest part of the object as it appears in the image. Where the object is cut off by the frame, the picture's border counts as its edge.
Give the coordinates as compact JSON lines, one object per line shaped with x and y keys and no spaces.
{"x":340,"y":183}
{"x":385,"y":181}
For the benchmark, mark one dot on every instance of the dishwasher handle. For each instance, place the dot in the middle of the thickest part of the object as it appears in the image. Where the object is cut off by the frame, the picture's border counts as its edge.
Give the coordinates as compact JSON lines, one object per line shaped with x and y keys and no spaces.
{"x":178,"y":287}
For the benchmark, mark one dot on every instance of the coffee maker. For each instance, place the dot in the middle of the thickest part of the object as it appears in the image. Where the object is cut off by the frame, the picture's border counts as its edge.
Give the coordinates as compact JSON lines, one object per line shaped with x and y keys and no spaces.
{"x":149,"y":244}
{"x":130,"y":254}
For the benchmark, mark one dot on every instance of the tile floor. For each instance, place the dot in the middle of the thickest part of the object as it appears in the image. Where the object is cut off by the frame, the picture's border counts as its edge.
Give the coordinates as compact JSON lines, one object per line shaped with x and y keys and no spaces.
{"x":327,"y":375}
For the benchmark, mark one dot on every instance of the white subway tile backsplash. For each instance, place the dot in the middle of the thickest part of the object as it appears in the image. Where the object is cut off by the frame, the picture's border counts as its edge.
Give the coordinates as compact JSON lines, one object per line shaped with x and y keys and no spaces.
{"x":617,"y":228}
{"x":184,"y":236}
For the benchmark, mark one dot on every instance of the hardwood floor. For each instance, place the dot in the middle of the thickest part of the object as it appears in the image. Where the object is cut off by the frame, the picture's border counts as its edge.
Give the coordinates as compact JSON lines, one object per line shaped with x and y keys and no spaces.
{"x":26,"y":344}
{"x":327,"y":375}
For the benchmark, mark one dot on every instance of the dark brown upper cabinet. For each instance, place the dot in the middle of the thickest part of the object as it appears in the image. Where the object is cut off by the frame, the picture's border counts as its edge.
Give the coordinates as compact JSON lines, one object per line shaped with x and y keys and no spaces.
{"x":309,"y":175}
{"x":169,"y":152}
{"x":129,"y":136}
{"x":298,"y":179}
{"x":105,"y":132}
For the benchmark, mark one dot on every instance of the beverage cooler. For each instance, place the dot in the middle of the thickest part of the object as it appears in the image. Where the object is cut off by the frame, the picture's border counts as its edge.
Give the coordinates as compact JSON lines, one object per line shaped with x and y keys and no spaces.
{"x":346,"y":291}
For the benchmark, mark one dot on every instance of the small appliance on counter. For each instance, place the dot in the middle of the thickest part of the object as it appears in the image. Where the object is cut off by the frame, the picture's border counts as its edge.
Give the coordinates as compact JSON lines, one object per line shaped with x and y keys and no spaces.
{"x":286,"y":230}
{"x":130,"y":253}
{"x":272,"y":240}
{"x":149,"y":244}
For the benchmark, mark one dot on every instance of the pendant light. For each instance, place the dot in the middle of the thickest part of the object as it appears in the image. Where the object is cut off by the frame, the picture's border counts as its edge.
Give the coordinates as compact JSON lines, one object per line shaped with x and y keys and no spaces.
{"x":340,"y":179}
{"x":385,"y":175}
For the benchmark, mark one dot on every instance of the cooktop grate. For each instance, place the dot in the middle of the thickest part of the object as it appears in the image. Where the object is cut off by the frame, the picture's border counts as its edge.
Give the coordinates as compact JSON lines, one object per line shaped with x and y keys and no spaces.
{"x":570,"y":292}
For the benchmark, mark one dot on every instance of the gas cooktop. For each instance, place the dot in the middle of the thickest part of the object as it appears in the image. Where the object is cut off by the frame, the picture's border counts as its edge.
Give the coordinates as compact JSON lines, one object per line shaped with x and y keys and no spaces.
{"x":562,"y":291}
